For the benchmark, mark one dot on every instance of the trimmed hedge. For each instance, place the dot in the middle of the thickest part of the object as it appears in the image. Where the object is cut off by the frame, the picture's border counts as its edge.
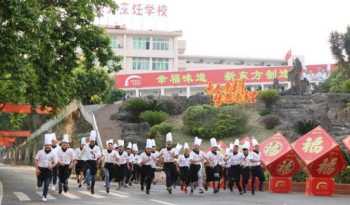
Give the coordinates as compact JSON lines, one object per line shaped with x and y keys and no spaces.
{"x":153,"y":117}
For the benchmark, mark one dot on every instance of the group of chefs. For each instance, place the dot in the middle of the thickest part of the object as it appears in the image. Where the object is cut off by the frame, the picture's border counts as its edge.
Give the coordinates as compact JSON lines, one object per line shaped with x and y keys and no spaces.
{"x":190,"y":167}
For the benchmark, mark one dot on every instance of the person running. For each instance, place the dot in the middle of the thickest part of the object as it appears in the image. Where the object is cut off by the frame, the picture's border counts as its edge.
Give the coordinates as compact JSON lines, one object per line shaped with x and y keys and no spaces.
{"x":80,"y":166}
{"x":256,"y":169}
{"x":130,"y":164}
{"x":66,"y":160}
{"x":147,"y":161}
{"x":45,"y":161}
{"x":93,"y":155}
{"x":215,"y":162}
{"x":55,"y":148}
{"x":234,"y":160}
{"x":136,"y":166}
{"x":245,"y":166}
{"x":184,"y":167}
{"x":168,"y":156}
{"x":196,"y":159}
{"x":109,"y":159}
{"x":121,"y":166}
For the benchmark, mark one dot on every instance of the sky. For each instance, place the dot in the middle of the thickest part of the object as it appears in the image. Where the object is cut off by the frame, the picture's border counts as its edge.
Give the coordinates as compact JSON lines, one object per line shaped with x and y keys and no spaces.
{"x":250,"y":28}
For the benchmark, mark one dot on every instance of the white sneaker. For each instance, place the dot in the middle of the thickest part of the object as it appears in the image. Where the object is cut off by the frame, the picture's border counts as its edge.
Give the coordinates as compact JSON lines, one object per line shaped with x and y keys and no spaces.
{"x":44,"y":198}
{"x":53,"y":188}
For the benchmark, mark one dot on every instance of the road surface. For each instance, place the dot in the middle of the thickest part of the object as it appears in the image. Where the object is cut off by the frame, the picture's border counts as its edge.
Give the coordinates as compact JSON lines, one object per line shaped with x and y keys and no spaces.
{"x":18,"y":187}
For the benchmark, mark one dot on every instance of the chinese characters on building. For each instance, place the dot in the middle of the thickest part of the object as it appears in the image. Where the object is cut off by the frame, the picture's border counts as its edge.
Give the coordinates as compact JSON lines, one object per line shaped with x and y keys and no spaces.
{"x":138,"y":9}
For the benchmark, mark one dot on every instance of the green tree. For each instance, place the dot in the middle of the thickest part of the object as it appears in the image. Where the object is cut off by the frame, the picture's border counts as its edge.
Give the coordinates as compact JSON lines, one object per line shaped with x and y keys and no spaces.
{"x":45,"y":41}
{"x":92,"y":85}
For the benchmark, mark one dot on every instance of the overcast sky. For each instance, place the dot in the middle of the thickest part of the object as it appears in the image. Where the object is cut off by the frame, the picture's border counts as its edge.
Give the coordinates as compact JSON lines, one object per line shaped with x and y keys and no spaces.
{"x":254,"y":28}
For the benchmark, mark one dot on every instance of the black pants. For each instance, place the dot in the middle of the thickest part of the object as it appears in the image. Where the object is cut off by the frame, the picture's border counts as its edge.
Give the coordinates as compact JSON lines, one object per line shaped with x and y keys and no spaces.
{"x":129,"y":172}
{"x":245,"y":171}
{"x":120,"y":172}
{"x":194,"y":169}
{"x":170,"y":173}
{"x":63,"y":176}
{"x":257,"y":172}
{"x":44,"y":178}
{"x":213,"y":173}
{"x":234,"y":177}
{"x":54,"y":175}
{"x":91,"y":165}
{"x":185,"y":175}
{"x":147,"y":176}
{"x":136,"y":172}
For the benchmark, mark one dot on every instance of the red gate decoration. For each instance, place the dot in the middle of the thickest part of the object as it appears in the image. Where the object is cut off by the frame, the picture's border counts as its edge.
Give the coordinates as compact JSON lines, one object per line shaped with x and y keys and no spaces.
{"x":281,"y":161}
{"x":23,"y":108}
{"x":9,"y":133}
{"x":322,"y":158}
{"x":7,"y":141}
{"x":346,"y":142}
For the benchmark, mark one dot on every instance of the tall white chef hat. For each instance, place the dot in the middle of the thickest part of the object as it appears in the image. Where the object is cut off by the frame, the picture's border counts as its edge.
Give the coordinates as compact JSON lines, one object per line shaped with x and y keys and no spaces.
{"x":115,"y":146}
{"x":236,"y":143}
{"x":65,"y":138}
{"x":231,"y":146}
{"x":169,"y":137}
{"x":48,"y":139}
{"x":129,"y":145}
{"x":186,"y":146}
{"x":149,"y":143}
{"x":153,"y":141}
{"x":213,"y":142}
{"x":120,"y":143}
{"x":83,"y":140}
{"x":93,"y":135}
{"x":53,"y":136}
{"x":255,"y":142}
{"x":135,"y":147}
{"x":110,"y":141}
{"x":246,"y":145}
{"x":197,"y":141}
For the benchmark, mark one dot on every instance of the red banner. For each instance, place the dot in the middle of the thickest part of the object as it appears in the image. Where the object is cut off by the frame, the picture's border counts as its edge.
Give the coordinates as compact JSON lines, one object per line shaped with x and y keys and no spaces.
{"x":20,"y":133}
{"x":201,"y":77}
{"x":23,"y":109}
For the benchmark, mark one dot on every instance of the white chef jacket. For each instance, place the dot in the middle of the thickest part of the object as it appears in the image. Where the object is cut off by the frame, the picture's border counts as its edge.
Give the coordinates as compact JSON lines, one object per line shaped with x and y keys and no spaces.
{"x":44,"y":159}
{"x":196,"y":157}
{"x":215,"y":159}
{"x":65,"y":157}
{"x":184,"y":161}
{"x":168,"y":155}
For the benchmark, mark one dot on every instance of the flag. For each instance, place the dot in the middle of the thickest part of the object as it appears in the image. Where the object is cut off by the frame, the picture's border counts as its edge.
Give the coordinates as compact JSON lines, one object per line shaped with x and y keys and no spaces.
{"x":288,"y":55}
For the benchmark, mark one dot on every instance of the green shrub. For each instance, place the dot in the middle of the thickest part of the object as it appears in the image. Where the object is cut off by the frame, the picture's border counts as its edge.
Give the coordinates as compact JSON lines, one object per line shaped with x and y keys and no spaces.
{"x":161,"y":129}
{"x":265,"y":112}
{"x":230,"y":121}
{"x":343,"y":177}
{"x":136,"y":106}
{"x":207,"y":121}
{"x":153,"y":117}
{"x":346,"y":86}
{"x":114,"y":95}
{"x":171,"y":105}
{"x":270,"y":121}
{"x":269,"y":97}
{"x":300,"y":176}
{"x":303,"y":127}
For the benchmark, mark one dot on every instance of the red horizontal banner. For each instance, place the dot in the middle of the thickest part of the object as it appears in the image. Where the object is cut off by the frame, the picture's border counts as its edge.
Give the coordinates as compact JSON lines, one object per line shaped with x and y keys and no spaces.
{"x":202,"y":77}
{"x":10,"y":133}
{"x":23,"y":108}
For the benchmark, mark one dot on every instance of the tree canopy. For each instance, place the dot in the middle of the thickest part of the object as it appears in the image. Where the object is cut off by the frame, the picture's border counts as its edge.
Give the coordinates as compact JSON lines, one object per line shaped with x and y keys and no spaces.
{"x":42,"y":44}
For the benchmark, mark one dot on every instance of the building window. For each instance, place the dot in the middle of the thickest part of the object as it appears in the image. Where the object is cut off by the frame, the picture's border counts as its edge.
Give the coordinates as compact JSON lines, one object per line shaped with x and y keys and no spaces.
{"x":140,"y":63}
{"x":160,"y":64}
{"x":161,"y":44}
{"x":114,"y":42}
{"x":142,"y":43}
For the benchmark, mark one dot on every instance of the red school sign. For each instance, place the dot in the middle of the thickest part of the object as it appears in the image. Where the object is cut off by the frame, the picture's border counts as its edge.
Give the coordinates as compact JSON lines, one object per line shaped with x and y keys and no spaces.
{"x":202,"y":77}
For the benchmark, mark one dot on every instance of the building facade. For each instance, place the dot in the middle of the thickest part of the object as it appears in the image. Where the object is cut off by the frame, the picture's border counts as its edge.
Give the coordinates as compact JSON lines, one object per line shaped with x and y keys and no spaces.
{"x":154,"y":63}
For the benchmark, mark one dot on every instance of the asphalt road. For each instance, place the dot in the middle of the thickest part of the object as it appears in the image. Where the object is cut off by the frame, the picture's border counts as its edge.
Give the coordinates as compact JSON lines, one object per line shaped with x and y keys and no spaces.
{"x":18,"y":187}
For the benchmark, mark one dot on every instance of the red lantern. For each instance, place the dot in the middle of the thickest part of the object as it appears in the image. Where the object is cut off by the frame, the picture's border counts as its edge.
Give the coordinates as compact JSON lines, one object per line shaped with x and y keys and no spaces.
{"x":346,"y":142}
{"x":321,"y":156}
{"x":281,"y":161}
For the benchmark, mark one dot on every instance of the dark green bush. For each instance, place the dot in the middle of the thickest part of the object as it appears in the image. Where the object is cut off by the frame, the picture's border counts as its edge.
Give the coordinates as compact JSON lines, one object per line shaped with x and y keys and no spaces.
{"x":343,"y":177}
{"x":300,"y":176}
{"x":207,"y":121}
{"x":346,"y":86}
{"x":114,"y":95}
{"x":265,"y":112}
{"x":269,"y":97}
{"x":303,"y":127}
{"x":161,"y":129}
{"x":270,"y":121}
{"x":153,"y":117}
{"x":171,"y":106}
{"x":135,"y":107}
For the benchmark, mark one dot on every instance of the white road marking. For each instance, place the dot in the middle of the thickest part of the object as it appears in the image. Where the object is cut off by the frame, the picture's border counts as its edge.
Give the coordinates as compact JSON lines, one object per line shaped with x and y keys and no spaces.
{"x":116,"y":194}
{"x":21,"y":196}
{"x":49,"y":196}
{"x":162,"y":202}
{"x":70,"y":195}
{"x":92,"y":195}
{"x":120,"y":192}
{"x":1,"y":192}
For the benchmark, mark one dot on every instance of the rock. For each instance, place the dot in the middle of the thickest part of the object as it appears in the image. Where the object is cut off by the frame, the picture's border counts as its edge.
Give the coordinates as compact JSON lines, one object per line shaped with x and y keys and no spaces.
{"x":134,"y":132}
